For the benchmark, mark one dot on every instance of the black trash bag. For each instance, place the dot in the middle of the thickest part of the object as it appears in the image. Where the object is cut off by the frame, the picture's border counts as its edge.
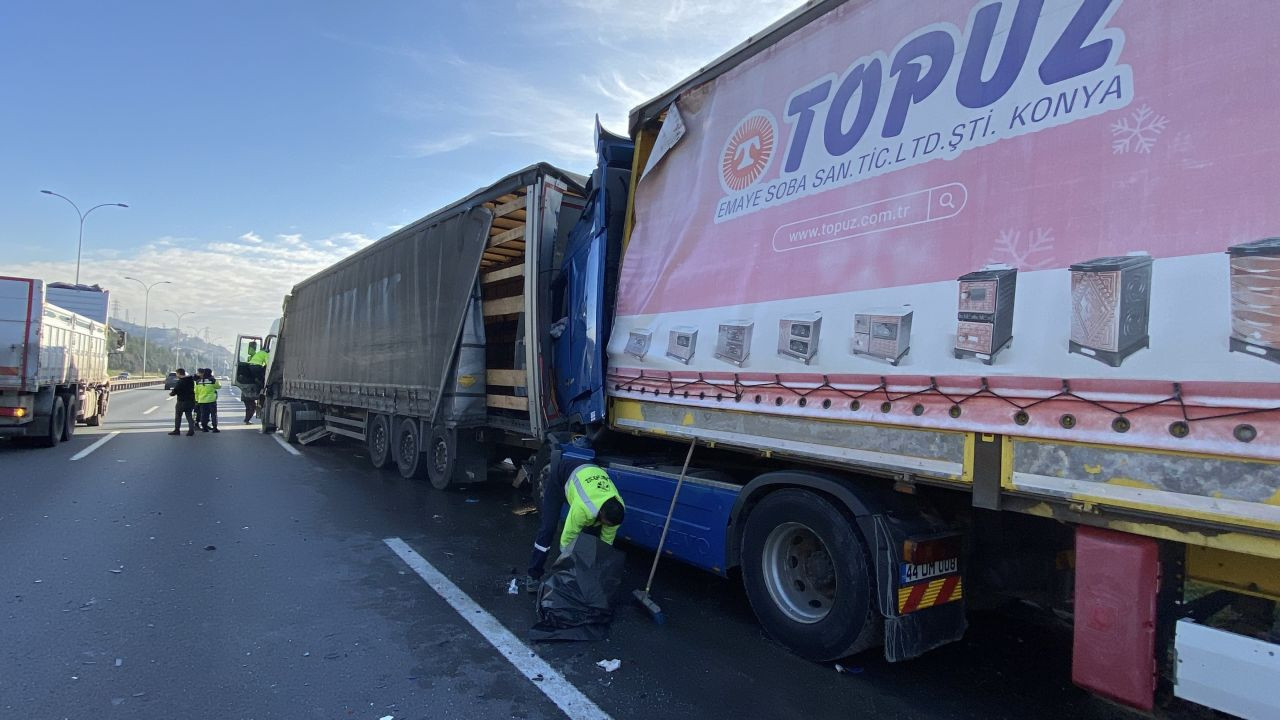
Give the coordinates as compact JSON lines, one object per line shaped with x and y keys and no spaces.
{"x":576,"y":599}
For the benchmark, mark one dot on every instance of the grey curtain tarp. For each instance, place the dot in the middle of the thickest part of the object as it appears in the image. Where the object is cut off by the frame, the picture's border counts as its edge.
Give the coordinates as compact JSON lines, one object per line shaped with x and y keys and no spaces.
{"x":378,"y":330}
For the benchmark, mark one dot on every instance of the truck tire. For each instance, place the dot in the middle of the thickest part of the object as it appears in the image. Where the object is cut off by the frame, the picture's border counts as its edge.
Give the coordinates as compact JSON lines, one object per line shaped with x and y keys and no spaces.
{"x":408,"y":447}
{"x":442,"y":457}
{"x":57,"y":424}
{"x":379,"y":440}
{"x":289,"y":423}
{"x":69,"y":427}
{"x":808,"y":578}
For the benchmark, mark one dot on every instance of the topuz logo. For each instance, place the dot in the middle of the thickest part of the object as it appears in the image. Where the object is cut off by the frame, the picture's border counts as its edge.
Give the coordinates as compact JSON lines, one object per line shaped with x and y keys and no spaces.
{"x":1016,"y":67}
{"x":748,"y":151}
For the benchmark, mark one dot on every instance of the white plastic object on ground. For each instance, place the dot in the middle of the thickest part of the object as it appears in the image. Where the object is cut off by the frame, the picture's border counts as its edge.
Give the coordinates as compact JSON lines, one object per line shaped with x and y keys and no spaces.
{"x":610,"y":665}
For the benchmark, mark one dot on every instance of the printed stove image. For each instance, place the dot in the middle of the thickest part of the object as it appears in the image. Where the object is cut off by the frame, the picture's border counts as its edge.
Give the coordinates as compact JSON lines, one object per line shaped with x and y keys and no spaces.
{"x":681,"y":342}
{"x":798,"y":336}
{"x":1110,"y":307}
{"x":883,"y":333}
{"x":1255,"y":298}
{"x":638,"y":342}
{"x":733,"y":341}
{"x":984,"y":321}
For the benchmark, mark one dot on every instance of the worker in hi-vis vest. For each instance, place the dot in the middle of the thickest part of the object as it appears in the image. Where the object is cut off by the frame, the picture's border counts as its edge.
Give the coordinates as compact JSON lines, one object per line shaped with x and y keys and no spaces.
{"x":594,"y":508}
{"x":258,"y":358}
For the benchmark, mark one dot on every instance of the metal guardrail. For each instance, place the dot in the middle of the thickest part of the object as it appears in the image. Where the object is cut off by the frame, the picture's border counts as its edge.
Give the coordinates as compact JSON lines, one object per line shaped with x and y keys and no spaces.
{"x":131,"y":384}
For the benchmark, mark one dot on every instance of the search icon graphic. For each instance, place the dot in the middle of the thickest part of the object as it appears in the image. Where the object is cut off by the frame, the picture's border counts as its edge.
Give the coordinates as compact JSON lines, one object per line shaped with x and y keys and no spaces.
{"x":947,"y":200}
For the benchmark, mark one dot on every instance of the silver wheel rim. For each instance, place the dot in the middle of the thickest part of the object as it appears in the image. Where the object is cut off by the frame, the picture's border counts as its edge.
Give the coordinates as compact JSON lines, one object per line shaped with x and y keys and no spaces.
{"x":379,"y":440}
{"x":799,"y":573}
{"x":408,"y":448}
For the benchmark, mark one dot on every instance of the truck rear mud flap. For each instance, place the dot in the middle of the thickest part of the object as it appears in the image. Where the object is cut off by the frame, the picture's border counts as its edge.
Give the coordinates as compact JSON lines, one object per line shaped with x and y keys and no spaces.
{"x":921,"y":597}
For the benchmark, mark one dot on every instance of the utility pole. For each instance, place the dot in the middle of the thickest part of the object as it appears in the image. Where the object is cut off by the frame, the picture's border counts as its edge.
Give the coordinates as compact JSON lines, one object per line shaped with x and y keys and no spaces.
{"x":82,"y":215}
{"x":146,"y":308}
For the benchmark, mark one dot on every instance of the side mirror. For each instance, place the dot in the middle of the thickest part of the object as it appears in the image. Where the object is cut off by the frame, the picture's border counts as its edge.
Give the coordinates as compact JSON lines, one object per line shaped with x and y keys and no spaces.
{"x":266,"y":344}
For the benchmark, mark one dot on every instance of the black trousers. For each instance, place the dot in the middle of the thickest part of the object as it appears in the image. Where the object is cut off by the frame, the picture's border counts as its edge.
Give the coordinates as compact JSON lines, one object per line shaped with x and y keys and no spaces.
{"x":548,"y":522}
{"x":180,"y":408}
{"x":250,"y":404}
{"x":207,"y":413}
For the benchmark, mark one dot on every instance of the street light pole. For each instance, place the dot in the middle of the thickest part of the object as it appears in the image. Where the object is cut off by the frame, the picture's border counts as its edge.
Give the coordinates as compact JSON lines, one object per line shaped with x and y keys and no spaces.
{"x":146,"y":307}
{"x":178,"y":330}
{"x":82,"y":215}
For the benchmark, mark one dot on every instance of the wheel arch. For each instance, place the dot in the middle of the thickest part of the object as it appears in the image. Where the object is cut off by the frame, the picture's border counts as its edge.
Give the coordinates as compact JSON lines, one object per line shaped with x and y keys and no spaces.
{"x":859,"y":503}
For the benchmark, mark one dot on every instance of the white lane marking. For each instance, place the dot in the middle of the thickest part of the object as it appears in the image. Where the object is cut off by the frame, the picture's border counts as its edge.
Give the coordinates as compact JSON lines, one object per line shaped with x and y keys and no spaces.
{"x":552,"y":684}
{"x":161,"y":427}
{"x":101,"y":441}
{"x":151,"y":409}
{"x":292,"y":450}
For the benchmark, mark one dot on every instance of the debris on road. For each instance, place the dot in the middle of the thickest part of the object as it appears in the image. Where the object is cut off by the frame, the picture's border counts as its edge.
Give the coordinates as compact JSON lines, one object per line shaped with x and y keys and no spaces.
{"x":609,"y":665}
{"x":119,"y":662}
{"x":117,"y":571}
{"x":210,"y":547}
{"x":848,"y":670}
{"x":526,"y":510}
{"x":512,"y":589}
{"x":472,"y":500}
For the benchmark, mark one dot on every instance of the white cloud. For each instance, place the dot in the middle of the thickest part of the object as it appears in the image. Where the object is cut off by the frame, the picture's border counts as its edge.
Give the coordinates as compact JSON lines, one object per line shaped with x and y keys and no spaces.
{"x":592,"y":57}
{"x":231,"y":286}
{"x":444,"y":145}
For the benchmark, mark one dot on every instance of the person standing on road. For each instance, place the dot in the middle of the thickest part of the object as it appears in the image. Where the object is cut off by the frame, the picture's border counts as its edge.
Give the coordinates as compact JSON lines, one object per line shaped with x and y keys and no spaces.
{"x":185,"y":393}
{"x":595,"y":507}
{"x":207,"y":399}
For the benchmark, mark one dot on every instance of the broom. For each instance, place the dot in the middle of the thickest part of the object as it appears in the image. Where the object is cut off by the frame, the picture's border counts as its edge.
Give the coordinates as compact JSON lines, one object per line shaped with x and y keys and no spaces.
{"x":642,"y":596}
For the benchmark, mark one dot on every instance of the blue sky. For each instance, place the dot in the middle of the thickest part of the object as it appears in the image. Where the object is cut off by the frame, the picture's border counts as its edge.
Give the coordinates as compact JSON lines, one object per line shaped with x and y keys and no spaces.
{"x":257,"y":142}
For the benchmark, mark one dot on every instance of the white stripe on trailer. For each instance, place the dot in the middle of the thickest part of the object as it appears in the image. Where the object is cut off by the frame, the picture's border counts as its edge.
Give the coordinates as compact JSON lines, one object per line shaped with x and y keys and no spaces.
{"x":1227,"y":672}
{"x":101,"y":441}
{"x":560,"y":691}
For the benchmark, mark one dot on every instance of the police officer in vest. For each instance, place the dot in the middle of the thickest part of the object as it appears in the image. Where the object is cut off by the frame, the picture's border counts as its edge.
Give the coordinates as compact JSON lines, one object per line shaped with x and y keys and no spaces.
{"x":594,"y":508}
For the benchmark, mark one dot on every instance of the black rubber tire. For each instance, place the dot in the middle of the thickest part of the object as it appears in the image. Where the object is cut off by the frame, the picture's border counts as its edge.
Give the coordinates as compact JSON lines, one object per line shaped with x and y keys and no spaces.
{"x":379,"y":441}
{"x":442,"y":457}
{"x":408,"y":449}
{"x":264,"y":423}
{"x":289,"y":423}
{"x":57,"y":423}
{"x":69,"y":427}
{"x":851,"y":624}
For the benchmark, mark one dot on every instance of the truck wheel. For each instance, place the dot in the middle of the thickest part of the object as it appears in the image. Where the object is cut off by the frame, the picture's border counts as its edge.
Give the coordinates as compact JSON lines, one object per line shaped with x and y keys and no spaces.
{"x":807,"y":576}
{"x":443,"y":452}
{"x":289,"y":423}
{"x":408,"y":449}
{"x":69,"y":427}
{"x":57,"y":424}
{"x":379,"y":440}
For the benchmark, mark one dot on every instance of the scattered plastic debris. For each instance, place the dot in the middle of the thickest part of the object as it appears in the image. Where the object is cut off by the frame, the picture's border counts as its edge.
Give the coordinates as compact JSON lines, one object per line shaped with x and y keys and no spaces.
{"x":512,"y":589}
{"x":387,"y":717}
{"x":473,"y":500}
{"x":848,"y":670}
{"x":119,"y":662}
{"x":527,"y":510}
{"x":306,"y":654}
{"x":39,"y":581}
{"x":118,"y":570}
{"x":609,"y":665}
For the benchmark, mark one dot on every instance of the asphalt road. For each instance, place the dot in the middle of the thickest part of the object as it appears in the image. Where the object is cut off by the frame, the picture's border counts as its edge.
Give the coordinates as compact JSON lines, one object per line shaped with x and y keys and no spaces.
{"x":221,"y":576}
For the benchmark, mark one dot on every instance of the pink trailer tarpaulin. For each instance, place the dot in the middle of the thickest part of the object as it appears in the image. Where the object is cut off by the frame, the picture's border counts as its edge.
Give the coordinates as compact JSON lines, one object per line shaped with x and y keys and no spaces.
{"x":1040,"y":218}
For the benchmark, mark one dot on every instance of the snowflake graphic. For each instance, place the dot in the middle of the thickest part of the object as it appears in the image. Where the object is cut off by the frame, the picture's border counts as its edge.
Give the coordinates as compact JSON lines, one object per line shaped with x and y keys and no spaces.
{"x":1137,"y":132}
{"x":1035,"y":252}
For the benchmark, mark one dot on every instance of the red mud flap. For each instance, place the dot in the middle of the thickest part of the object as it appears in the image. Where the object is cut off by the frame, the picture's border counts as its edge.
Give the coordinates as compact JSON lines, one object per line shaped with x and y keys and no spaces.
{"x":1117,"y":579}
